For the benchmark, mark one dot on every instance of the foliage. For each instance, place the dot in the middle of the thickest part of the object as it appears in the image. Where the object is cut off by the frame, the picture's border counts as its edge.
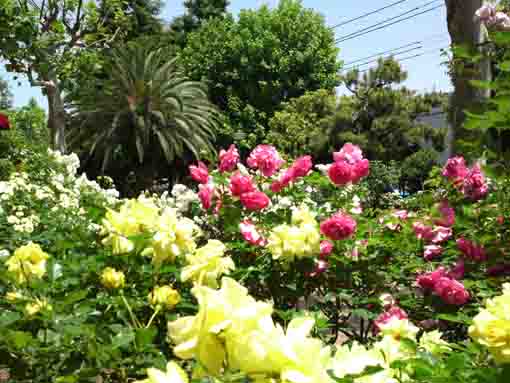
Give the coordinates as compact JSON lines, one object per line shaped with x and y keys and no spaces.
{"x":489,"y":134}
{"x":30,"y":120}
{"x":382,"y":117}
{"x":115,"y":285}
{"x":305,"y":119}
{"x":148,"y":107}
{"x":416,"y":169}
{"x":197,"y":13}
{"x":264,"y":57}
{"x":48,"y":42}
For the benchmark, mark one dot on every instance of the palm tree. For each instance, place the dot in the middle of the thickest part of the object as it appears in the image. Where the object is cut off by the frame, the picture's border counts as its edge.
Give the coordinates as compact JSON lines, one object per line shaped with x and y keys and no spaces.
{"x":146,"y":106}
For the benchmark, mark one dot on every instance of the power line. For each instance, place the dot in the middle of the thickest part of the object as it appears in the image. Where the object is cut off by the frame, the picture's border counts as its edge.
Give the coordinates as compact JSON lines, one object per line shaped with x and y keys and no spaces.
{"x":411,"y":57}
{"x":367,"y":14}
{"x":383,"y":53}
{"x":391,"y":55}
{"x":378,"y":26}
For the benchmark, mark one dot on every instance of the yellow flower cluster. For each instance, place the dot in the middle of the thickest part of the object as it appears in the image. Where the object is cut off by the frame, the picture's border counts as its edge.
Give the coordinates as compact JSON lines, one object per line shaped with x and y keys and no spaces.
{"x":231,"y":328}
{"x":171,"y":236}
{"x":173,"y":374}
{"x":491,"y":327}
{"x":164,"y":297}
{"x":234,"y":332}
{"x":112,"y":279}
{"x":301,"y":239}
{"x":207,"y":264}
{"x":27,"y":262}
{"x":38,"y":305}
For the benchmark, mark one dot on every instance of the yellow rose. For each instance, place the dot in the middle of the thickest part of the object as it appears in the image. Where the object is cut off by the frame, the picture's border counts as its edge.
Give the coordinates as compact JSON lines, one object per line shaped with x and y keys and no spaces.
{"x":174,"y":237}
{"x":432,"y":342}
{"x":399,"y":328}
{"x":134,"y":217}
{"x":37,"y":306}
{"x":27,"y":262}
{"x":207,"y":264}
{"x":13,"y":296}
{"x":223,"y":315}
{"x":288,"y":242}
{"x":165,"y":297}
{"x":112,"y":279}
{"x":491,"y":327}
{"x":173,"y":374}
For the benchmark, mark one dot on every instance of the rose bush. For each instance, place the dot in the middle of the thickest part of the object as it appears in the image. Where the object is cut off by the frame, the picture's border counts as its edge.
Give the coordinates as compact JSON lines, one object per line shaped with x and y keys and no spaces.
{"x":241,"y":279}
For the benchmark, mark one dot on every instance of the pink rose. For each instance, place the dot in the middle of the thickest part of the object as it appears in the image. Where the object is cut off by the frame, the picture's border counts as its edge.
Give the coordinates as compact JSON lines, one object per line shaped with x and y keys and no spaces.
{"x":386,"y":317}
{"x":455,"y":169}
{"x":470,"y":250}
{"x":255,"y":200}
{"x":240,"y":184}
{"x":228,"y":159}
{"x":349,"y":153}
{"x":423,"y":231}
{"x":199,"y":173}
{"x":266,"y":159}
{"x":451,"y":291}
{"x":341,"y":173}
{"x":441,"y":234}
{"x":339,"y":226}
{"x":475,"y":188}
{"x":428,"y":281}
{"x":432,"y":251}
{"x":447,"y":215}
{"x":326,"y":249}
{"x":361,"y":170}
{"x":250,"y":233}
{"x":206,"y":193}
{"x":302,"y":166}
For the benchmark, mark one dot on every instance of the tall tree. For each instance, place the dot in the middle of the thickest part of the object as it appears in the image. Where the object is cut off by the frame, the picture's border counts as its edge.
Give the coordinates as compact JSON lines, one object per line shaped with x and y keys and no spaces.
{"x":47,"y":41}
{"x":380,"y":115}
{"x":265,"y":57}
{"x":147,"y":109}
{"x":197,"y":12}
{"x":467,"y":37}
{"x":5,"y":95}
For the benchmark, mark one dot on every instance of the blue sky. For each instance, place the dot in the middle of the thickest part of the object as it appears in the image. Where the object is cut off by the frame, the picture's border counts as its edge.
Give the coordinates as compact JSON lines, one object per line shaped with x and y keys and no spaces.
{"x":425,"y":73}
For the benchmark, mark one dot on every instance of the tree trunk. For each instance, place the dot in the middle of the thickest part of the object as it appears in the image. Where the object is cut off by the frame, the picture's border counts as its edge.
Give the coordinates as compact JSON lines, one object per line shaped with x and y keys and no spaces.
{"x":464,"y":31}
{"x":56,"y":117}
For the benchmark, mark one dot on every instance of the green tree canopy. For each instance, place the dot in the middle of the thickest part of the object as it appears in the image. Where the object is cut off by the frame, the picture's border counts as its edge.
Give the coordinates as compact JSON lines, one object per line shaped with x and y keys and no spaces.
{"x":378,"y":115}
{"x":265,"y":57}
{"x":197,"y":13}
{"x":48,"y":41}
{"x":146,"y":111}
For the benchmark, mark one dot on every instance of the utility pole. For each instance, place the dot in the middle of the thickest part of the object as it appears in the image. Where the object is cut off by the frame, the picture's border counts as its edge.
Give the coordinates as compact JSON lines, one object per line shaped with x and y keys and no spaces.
{"x":465,"y":31}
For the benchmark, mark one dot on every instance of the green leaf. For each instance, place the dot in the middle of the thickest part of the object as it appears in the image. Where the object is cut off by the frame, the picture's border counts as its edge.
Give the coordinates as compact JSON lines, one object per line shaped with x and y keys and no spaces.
{"x":123,"y":338}
{"x":20,"y":339}
{"x":145,"y":336}
{"x":75,"y":297}
{"x":8,"y":317}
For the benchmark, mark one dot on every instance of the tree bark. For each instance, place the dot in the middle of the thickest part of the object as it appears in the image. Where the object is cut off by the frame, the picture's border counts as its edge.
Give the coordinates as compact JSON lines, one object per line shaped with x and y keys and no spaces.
{"x":56,"y":117}
{"x":466,"y":32}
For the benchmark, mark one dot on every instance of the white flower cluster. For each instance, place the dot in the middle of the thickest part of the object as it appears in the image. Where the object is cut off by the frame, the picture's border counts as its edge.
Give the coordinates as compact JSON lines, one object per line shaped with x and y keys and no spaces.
{"x":180,"y":198}
{"x":59,"y":195}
